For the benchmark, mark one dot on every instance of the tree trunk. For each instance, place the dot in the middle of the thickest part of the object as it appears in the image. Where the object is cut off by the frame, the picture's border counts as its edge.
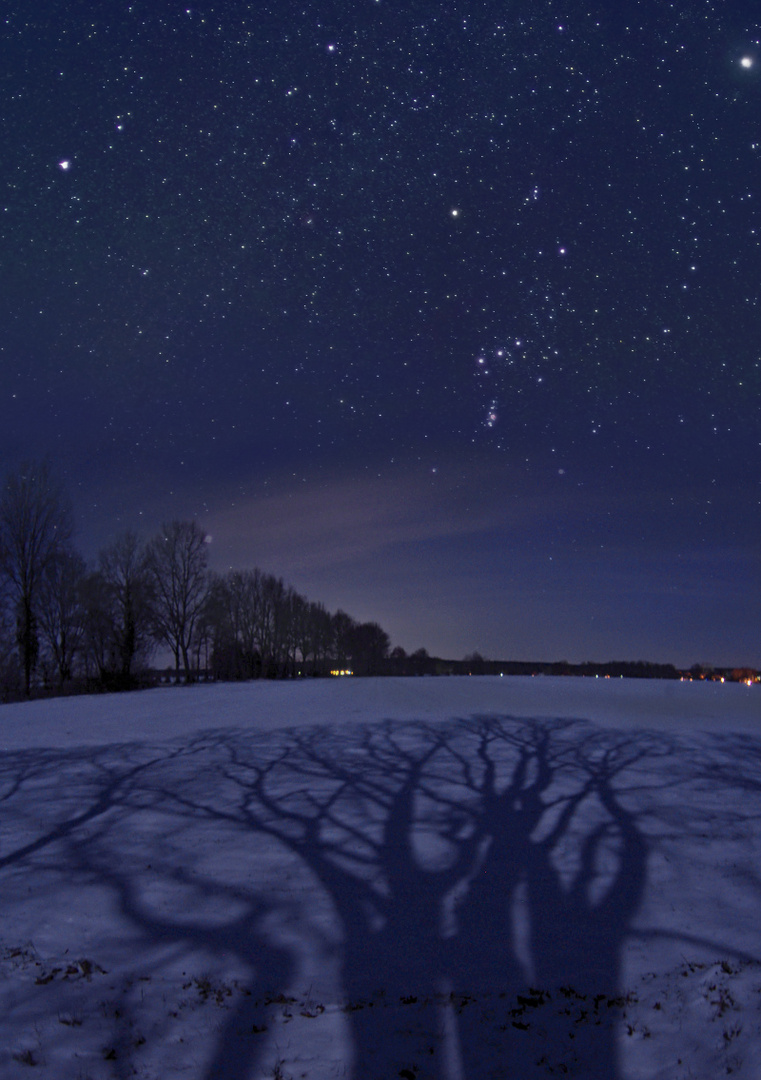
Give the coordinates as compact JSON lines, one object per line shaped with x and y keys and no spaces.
{"x":187,"y":665}
{"x":26,"y":635}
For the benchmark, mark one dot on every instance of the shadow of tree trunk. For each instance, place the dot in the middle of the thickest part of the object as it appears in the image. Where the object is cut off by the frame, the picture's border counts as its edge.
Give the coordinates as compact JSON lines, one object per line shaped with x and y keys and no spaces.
{"x":484,"y":875}
{"x":500,"y":799}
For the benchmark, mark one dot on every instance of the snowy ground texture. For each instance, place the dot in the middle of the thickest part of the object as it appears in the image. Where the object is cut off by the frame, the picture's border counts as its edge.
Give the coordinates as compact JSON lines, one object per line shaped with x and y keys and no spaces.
{"x":461,"y":879}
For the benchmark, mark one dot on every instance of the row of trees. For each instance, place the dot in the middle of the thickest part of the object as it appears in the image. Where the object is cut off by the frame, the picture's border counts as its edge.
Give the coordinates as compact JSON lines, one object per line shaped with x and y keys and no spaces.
{"x":62,"y":621}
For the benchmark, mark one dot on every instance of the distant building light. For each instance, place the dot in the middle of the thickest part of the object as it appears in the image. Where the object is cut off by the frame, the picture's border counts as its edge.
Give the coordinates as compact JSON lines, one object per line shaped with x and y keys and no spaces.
{"x":338,"y":673}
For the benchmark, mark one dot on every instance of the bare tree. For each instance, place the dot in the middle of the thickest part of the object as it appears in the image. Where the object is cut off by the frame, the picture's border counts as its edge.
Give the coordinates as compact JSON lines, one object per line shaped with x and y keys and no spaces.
{"x":35,"y":525}
{"x":369,"y":644}
{"x":99,"y":647}
{"x":301,"y":630}
{"x":321,"y":631}
{"x":61,"y":611}
{"x":177,"y":561}
{"x":10,"y":675}
{"x":240,"y":616}
{"x":125,"y":592}
{"x":277,"y":626}
{"x":257,"y":626}
{"x":342,"y":626}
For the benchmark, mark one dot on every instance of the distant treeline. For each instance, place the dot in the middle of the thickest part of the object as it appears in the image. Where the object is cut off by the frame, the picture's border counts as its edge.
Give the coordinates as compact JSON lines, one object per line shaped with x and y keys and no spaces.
{"x":475,"y":664}
{"x":420,"y":663}
{"x":67,"y":626}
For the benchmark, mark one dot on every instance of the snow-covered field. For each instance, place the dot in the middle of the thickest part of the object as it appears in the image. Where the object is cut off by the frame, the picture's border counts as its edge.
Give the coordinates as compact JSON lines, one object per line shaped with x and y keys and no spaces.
{"x":455,"y":878}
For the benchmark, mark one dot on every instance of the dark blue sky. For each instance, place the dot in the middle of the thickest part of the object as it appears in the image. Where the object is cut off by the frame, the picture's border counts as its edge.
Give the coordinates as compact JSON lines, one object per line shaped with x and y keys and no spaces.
{"x":449,"y":314}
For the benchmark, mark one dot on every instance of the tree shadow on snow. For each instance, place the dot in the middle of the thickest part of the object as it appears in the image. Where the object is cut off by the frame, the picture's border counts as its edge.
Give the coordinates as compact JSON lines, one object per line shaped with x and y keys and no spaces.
{"x":485,"y":874}
{"x":76,"y":818}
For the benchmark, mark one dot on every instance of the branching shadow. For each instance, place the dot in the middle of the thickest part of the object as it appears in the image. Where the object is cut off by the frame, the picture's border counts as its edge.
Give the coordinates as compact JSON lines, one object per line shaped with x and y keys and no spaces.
{"x":467,"y":864}
{"x":483,"y":875}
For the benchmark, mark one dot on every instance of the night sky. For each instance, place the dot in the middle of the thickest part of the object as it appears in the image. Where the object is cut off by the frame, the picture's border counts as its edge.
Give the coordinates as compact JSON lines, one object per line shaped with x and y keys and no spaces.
{"x":446,"y":313}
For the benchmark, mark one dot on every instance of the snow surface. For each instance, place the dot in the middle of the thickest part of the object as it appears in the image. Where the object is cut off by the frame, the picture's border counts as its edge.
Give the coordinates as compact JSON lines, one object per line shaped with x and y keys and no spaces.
{"x":454,"y":878}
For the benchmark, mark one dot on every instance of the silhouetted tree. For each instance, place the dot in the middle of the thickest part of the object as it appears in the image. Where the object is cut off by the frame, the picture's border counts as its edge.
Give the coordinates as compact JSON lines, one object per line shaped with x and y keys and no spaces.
{"x":274,"y":626}
{"x":475,"y":663}
{"x":246,"y":615}
{"x":320,"y":628}
{"x":35,"y":525}
{"x":62,"y":612}
{"x":223,"y":617}
{"x":369,"y":644}
{"x":419,"y":661}
{"x":124,"y":569}
{"x":398,"y":664}
{"x":99,"y":640}
{"x":10,"y":673}
{"x":177,"y":560}
{"x":342,"y":627}
{"x":300,"y":638}
{"x":239,"y":610}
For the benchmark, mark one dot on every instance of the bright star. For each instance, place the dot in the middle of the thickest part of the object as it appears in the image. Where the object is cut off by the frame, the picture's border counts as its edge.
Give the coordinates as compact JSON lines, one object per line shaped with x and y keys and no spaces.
{"x":746,"y":62}
{"x":65,"y":165}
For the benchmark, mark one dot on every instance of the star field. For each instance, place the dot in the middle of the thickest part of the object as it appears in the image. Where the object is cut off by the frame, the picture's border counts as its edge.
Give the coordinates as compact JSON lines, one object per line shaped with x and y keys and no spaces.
{"x":518,"y":244}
